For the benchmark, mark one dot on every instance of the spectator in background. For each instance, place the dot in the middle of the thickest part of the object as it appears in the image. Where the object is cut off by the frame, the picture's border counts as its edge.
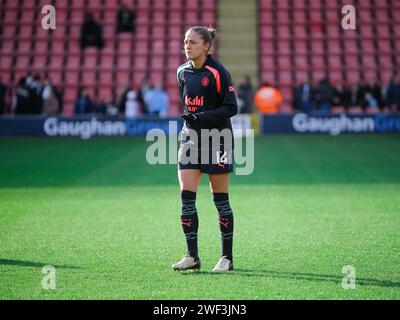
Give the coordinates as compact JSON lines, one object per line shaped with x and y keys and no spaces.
{"x":22,"y":100}
{"x":59,"y":94}
{"x":338,"y":95}
{"x":376,"y":91}
{"x":91,"y":32}
{"x":157,"y":101}
{"x":3,"y":91}
{"x":303,"y":95}
{"x":370,"y":100}
{"x":36,"y":90}
{"x":324,"y":96}
{"x":83,"y":104}
{"x":240,"y":103}
{"x":121,"y":98}
{"x":346,"y":97}
{"x":392,"y":94}
{"x":361,"y":90}
{"x":108,"y":108}
{"x":132,"y":108}
{"x":245,"y":93}
{"x":354,"y":97}
{"x":144,"y":88}
{"x":51,"y":105}
{"x":125,"y":19}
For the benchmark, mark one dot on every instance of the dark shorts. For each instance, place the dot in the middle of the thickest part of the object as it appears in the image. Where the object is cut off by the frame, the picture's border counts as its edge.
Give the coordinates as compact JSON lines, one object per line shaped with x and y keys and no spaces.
{"x":206,"y":163}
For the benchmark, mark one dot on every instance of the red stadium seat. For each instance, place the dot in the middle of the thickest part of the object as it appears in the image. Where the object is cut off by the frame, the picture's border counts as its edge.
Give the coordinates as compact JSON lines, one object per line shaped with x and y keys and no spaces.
{"x":56,"y":62}
{"x":191,"y":17}
{"x":300,"y":62}
{"x":334,"y":62}
{"x":106,"y":78}
{"x":335,"y":77}
{"x":209,"y":5}
{"x":318,"y":62}
{"x":282,"y":4}
{"x":39,"y":62}
{"x":122,"y":77}
{"x":144,"y":4}
{"x":111,"y":4}
{"x":191,"y":4}
{"x":207,"y":18}
{"x":107,"y":62}
{"x":88,"y":78}
{"x":25,"y":32}
{"x":123,"y":61}
{"x":90,"y":61}
{"x":73,"y":62}
{"x":159,"y":16}
{"x":284,"y":62}
{"x":157,"y":47}
{"x":22,"y":62}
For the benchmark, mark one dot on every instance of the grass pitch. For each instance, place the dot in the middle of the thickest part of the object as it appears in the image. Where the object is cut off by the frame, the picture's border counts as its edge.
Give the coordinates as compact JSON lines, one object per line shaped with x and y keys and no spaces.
{"x":108,"y":222}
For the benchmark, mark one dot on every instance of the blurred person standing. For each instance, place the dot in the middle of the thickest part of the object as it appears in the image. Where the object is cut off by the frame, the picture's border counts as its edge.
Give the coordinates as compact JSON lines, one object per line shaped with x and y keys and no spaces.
{"x":83,"y":103}
{"x":125,"y":19}
{"x":303,"y":95}
{"x":22,"y":103}
{"x":132,"y":109}
{"x":91,"y":32}
{"x":324,"y":96}
{"x":245,"y":93}
{"x":143,"y":89}
{"x":3,"y":91}
{"x":121,"y":98}
{"x":157,"y":101}
{"x":50,"y":100}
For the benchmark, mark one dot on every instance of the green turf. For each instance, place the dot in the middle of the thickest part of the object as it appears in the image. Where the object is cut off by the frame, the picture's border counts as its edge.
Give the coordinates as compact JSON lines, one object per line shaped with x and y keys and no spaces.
{"x":109,"y":222}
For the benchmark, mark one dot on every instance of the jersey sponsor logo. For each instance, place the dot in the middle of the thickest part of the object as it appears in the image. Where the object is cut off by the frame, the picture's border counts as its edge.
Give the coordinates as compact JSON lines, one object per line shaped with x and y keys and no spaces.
{"x":197,"y":101}
{"x":205,"y":82}
{"x":231,"y":88}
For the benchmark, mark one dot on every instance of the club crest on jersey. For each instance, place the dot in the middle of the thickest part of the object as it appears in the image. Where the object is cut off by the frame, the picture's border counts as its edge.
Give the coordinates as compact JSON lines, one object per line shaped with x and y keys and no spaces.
{"x":205,"y":82}
{"x":197,"y":101}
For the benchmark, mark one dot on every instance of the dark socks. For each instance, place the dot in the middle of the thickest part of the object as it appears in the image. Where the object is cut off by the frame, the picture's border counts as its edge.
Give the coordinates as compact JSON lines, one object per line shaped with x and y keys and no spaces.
{"x":189,"y":221}
{"x":221,"y":201}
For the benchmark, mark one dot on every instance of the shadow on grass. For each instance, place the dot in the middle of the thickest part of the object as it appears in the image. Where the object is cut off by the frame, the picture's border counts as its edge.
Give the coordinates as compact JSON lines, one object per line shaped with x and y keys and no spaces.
{"x":22,"y":263}
{"x":298,"y":276}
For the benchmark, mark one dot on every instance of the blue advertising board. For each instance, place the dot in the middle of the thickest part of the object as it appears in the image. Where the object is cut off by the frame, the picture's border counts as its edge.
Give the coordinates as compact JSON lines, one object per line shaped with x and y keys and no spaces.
{"x":85,"y":127}
{"x":333,"y":124}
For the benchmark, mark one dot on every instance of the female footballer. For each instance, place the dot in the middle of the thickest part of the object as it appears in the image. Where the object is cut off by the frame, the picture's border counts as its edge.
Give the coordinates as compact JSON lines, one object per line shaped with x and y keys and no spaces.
{"x":206,"y":142}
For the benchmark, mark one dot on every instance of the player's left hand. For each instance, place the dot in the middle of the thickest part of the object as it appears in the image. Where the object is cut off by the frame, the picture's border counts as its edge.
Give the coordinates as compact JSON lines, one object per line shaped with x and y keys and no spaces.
{"x":192,"y":118}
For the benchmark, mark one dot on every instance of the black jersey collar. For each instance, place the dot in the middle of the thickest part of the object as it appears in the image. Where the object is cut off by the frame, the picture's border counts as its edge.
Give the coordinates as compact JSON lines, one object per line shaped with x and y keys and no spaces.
{"x":208,"y":59}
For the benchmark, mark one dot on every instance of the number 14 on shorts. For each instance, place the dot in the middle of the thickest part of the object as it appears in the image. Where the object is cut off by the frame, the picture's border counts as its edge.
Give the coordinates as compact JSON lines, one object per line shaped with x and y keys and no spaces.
{"x":222,"y":157}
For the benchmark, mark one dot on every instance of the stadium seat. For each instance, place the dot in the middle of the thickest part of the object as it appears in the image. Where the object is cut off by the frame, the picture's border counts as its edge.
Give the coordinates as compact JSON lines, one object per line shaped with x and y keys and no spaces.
{"x":22,"y":62}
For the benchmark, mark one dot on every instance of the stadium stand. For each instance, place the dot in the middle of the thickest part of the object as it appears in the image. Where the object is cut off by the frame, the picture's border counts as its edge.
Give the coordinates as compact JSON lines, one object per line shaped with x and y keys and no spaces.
{"x":154,"y":49}
{"x":300,"y":38}
{"x":296,"y":39}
